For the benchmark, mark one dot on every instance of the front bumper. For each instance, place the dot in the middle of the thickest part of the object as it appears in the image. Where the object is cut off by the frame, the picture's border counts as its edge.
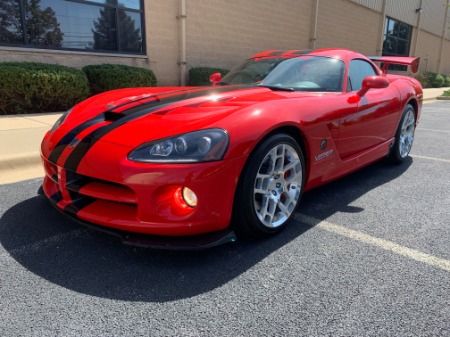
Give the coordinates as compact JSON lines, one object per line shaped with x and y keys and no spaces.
{"x":184,"y":243}
{"x":110,"y":191}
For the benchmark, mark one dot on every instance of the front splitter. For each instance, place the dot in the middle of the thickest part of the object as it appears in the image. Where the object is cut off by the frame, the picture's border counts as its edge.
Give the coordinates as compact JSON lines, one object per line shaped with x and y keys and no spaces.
{"x":197,"y":242}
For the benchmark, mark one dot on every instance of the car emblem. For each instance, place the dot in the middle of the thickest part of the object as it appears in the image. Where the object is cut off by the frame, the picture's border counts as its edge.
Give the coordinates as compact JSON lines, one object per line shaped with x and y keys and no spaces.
{"x":74,"y":142}
{"x":323,"y":144}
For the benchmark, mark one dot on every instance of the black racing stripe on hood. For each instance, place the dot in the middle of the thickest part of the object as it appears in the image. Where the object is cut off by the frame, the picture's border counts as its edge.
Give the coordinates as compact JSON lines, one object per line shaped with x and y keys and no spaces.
{"x":62,"y":144}
{"x":111,"y":116}
{"x":88,"y":141}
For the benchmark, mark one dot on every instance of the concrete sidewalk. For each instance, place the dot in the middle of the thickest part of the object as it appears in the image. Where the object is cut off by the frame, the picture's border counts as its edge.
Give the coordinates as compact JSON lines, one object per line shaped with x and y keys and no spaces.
{"x":21,"y":135}
{"x":20,"y":138}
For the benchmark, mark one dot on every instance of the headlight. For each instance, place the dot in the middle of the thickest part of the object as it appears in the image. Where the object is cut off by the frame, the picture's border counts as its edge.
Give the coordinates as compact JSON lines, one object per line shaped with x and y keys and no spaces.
{"x":198,"y":146}
{"x":60,"y":120}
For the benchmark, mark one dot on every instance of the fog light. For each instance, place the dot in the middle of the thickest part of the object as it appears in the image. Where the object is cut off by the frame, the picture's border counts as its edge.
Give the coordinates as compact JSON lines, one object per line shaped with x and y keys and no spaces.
{"x":189,"y":197}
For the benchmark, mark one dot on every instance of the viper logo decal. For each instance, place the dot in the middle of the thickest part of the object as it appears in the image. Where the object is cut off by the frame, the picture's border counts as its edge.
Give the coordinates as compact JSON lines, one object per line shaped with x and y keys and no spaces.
{"x":323,"y":155}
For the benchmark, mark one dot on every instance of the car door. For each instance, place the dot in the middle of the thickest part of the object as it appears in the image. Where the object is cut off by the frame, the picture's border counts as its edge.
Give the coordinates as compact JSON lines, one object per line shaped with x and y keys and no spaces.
{"x":373,"y":118}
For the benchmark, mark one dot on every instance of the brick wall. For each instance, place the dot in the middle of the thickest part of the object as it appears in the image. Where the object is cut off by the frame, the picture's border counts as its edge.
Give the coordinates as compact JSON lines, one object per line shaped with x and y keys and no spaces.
{"x":162,"y":36}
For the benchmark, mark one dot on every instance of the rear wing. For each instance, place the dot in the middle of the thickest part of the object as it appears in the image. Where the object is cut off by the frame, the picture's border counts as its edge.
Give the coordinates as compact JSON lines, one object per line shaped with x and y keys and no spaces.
{"x":401,"y":60}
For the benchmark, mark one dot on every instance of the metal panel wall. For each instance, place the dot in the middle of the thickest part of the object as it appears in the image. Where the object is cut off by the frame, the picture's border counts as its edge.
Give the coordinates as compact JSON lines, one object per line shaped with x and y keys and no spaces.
{"x":376,"y":5}
{"x":404,"y":11}
{"x":433,"y":16}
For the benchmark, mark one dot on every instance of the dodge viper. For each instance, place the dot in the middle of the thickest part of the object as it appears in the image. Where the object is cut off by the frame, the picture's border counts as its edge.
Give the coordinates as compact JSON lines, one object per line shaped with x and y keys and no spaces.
{"x":188,"y":167}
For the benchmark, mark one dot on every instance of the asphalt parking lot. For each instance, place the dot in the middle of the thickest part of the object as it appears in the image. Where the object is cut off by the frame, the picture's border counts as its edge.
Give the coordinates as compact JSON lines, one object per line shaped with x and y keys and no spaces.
{"x":367,"y":255}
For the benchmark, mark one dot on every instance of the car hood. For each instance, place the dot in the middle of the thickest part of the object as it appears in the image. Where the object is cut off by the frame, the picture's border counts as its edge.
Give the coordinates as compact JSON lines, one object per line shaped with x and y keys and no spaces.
{"x":130,"y":117}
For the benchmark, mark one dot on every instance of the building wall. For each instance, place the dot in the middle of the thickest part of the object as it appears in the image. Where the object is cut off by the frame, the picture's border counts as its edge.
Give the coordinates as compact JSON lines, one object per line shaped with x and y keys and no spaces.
{"x":427,"y":49}
{"x":445,"y":61}
{"x":433,"y":16}
{"x":222,"y":33}
{"x":376,"y":5}
{"x":403,"y":10}
{"x":68,"y":58}
{"x":361,"y":32}
{"x":163,"y":39}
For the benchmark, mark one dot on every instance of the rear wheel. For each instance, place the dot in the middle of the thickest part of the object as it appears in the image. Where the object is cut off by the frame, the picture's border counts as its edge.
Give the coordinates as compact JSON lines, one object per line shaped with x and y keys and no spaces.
{"x":270,"y":187}
{"x":404,"y":137}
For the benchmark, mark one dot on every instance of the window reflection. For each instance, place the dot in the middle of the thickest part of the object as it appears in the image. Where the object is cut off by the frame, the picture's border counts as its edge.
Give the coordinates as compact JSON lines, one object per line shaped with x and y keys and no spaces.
{"x":133,"y":4}
{"x":95,"y":25}
{"x":11,"y":31}
{"x":43,"y":28}
{"x":104,"y":31}
{"x":130,"y":31}
{"x":397,"y":38}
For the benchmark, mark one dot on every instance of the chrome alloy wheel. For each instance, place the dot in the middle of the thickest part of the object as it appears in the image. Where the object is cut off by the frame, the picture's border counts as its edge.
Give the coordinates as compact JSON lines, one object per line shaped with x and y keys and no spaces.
{"x":278,"y":185}
{"x":407,"y":133}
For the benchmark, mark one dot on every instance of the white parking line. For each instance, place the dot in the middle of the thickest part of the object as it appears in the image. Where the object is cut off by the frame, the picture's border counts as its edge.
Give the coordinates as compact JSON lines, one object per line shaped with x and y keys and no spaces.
{"x":434,"y":130}
{"x":430,"y":158}
{"x":377,"y":242}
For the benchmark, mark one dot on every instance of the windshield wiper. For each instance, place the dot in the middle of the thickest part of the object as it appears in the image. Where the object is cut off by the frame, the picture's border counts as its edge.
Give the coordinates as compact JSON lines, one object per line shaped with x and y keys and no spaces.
{"x":275,"y":88}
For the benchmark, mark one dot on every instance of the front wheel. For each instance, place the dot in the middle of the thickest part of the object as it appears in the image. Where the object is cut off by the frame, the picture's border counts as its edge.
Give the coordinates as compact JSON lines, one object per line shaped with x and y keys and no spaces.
{"x":270,"y":187}
{"x":404,"y":136}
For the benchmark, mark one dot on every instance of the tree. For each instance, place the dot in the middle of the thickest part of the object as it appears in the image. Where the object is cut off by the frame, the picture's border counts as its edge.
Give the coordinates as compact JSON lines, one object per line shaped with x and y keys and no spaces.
{"x":105,"y":30}
{"x":42,"y":25}
{"x":11,"y":31}
{"x":130,"y":36}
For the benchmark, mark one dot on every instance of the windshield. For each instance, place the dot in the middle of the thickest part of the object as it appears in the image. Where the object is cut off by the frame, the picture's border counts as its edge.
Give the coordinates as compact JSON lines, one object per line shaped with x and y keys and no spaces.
{"x":251,"y":71}
{"x":307,"y":73}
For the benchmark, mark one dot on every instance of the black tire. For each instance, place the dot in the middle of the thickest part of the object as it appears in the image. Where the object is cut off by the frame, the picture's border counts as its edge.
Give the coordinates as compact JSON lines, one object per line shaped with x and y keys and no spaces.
{"x":404,"y":137}
{"x":273,"y":181}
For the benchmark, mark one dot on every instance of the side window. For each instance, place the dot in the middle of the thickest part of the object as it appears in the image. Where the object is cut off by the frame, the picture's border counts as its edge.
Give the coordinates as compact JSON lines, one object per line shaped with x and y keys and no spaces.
{"x":359,"y":69}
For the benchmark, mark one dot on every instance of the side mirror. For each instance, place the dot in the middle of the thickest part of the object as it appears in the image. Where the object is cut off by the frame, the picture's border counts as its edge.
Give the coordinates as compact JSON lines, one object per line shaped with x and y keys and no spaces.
{"x":215,"y":78}
{"x":372,"y":82}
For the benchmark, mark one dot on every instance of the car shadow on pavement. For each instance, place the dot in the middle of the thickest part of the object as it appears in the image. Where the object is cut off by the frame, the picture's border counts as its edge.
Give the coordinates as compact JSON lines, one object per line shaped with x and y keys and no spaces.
{"x":63,"y":252}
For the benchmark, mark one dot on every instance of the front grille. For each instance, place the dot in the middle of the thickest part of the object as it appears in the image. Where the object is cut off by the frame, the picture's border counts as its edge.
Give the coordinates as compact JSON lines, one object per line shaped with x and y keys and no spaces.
{"x":84,"y":187}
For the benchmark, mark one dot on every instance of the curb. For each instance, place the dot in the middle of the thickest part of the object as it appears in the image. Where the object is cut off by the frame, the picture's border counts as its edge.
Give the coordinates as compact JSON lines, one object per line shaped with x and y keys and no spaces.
{"x":443,"y":98}
{"x":18,"y":161}
{"x":20,"y":167}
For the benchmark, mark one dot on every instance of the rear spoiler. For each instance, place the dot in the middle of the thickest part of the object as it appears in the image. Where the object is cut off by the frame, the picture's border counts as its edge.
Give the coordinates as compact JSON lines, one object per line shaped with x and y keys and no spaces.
{"x":401,"y":60}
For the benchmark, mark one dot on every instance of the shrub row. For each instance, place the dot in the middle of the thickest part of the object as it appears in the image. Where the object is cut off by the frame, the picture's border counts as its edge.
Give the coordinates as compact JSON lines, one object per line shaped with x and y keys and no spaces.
{"x":199,"y":76}
{"x":429,"y":79}
{"x":34,"y":87}
{"x":27,"y":87}
{"x":106,"y":77}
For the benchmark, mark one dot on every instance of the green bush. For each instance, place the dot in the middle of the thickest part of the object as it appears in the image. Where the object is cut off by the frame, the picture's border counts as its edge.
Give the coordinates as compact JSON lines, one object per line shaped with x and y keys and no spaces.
{"x":27,"y":87}
{"x":437,"y":81}
{"x":430,"y":79}
{"x":446,"y":93}
{"x":104,"y":77}
{"x":199,"y":76}
{"x":422,"y":77}
{"x":447,"y":81}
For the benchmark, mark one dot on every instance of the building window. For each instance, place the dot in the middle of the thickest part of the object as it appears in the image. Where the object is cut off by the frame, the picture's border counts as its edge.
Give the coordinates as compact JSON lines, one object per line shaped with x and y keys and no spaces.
{"x":96,"y":25}
{"x":397,"y":40}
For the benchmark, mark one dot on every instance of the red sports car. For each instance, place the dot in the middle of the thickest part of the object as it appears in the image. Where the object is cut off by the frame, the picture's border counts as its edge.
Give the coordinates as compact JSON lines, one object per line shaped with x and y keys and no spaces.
{"x":187,"y":167}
